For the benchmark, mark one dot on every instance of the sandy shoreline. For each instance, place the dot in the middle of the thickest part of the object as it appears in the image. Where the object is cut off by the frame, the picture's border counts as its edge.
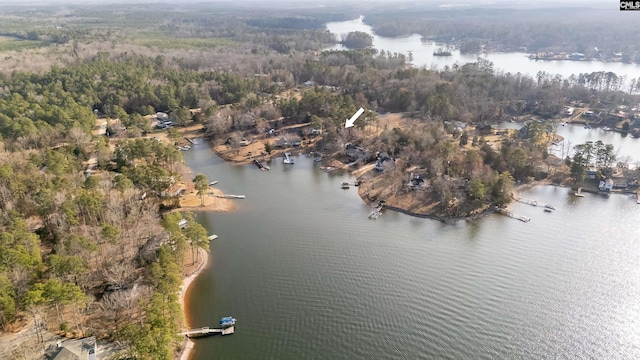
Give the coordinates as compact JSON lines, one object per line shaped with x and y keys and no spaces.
{"x":184,"y":289}
{"x":191,"y":201}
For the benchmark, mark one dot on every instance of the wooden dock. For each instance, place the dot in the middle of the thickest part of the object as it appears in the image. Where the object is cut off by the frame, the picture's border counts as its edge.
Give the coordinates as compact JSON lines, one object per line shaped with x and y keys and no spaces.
{"x":229,"y":196}
{"x":376,"y":212}
{"x":513,"y":216}
{"x":206,"y":331}
{"x":287,"y":158}
{"x":260,"y":165}
{"x":525,"y":201}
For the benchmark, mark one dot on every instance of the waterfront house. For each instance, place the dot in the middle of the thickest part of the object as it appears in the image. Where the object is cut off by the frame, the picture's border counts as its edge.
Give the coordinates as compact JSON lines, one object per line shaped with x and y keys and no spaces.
{"x":416,"y":181}
{"x":591,"y":174}
{"x":282,"y":142}
{"x":355,"y":152}
{"x":384,"y":162}
{"x":484,"y":129}
{"x":149,"y":250}
{"x":78,"y":349}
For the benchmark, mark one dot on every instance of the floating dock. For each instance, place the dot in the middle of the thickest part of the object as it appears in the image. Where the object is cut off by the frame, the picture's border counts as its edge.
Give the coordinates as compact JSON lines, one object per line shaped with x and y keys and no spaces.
{"x":206,"y":331}
{"x":375,"y":213}
{"x":287,"y":158}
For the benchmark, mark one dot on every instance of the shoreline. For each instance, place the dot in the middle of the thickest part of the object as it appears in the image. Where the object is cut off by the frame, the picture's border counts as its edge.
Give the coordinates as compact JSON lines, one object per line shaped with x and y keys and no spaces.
{"x":184,"y":291}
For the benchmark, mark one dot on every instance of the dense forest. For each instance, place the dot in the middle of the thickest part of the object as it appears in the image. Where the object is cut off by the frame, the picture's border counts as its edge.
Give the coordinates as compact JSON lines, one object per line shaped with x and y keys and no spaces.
{"x":88,"y":253}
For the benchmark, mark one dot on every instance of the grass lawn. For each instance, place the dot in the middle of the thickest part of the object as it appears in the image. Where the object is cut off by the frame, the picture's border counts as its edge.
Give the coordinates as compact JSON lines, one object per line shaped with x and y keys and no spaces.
{"x":13,"y":44}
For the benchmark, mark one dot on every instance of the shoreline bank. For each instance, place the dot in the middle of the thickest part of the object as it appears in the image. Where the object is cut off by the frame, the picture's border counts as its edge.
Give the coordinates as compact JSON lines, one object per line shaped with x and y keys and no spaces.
{"x":184,"y":292}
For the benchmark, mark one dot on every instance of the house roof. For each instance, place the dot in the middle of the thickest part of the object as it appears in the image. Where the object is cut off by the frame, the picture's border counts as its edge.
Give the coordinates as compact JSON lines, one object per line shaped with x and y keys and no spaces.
{"x":65,"y":354}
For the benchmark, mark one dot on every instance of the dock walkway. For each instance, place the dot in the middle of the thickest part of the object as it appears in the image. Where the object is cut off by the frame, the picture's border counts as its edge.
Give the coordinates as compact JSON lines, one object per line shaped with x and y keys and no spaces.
{"x":262,"y":166}
{"x":227,"y":196}
{"x":206,"y":331}
{"x":376,"y":212}
{"x":525,"y":201}
{"x":512,"y":215}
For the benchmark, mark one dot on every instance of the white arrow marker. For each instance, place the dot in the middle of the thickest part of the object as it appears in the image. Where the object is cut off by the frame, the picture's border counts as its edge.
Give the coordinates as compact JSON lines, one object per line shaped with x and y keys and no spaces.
{"x":353,"y":118}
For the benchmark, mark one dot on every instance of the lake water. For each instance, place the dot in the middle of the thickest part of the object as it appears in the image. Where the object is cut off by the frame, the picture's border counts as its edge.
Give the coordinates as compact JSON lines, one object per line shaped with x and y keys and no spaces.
{"x":512,"y":62}
{"x":627,"y":148}
{"x":308,"y":276}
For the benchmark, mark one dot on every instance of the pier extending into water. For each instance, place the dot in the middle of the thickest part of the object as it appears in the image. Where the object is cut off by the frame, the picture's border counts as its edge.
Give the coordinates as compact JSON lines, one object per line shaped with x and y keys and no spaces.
{"x":206,"y":331}
{"x":525,"y":201}
{"x":376,"y":212}
{"x":262,"y":166}
{"x":227,"y":196}
{"x":512,"y":215}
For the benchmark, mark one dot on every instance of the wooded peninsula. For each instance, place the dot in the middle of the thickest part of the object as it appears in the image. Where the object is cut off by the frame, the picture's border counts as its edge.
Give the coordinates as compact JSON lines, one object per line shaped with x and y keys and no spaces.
{"x":96,"y":102}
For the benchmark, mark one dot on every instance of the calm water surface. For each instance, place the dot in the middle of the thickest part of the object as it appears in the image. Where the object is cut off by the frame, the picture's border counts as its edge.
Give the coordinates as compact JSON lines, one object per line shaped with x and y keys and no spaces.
{"x":627,"y":148}
{"x":512,"y":62}
{"x":308,"y":276}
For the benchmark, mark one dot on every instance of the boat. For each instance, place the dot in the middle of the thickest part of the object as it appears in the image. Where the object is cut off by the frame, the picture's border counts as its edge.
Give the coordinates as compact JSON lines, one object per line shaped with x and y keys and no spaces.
{"x":213,"y":183}
{"x":212,"y":237}
{"x":184,"y":148}
{"x":318,"y":159}
{"x":549,"y":206}
{"x":227,"y":321}
{"x":524,"y":218}
{"x":345,"y":185}
{"x":606,"y":128}
{"x":547,"y":210}
{"x":579,"y":193}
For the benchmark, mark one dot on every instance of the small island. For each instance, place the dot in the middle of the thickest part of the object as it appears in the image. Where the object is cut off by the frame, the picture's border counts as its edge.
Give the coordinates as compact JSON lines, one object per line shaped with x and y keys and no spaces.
{"x":442,"y":52}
